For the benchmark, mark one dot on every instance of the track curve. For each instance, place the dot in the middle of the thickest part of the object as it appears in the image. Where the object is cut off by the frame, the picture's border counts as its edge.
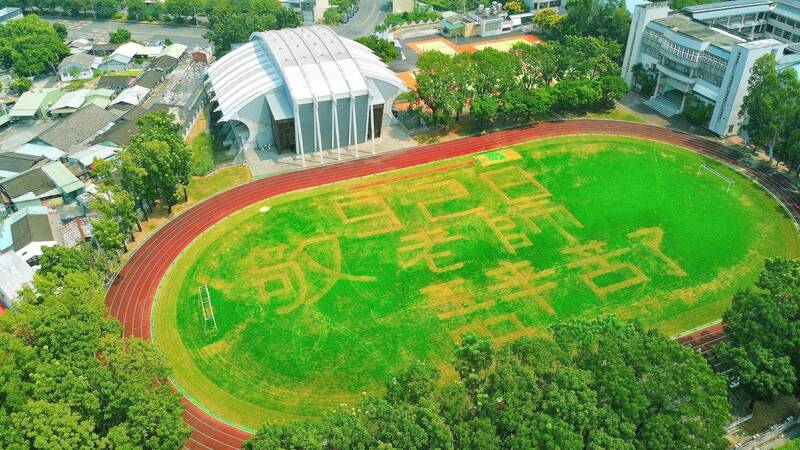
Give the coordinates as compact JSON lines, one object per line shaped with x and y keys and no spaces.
{"x":131,"y":295}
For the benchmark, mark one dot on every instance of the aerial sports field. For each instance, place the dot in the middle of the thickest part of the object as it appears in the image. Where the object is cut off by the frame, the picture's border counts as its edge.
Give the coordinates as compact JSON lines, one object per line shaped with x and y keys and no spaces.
{"x":315,"y":297}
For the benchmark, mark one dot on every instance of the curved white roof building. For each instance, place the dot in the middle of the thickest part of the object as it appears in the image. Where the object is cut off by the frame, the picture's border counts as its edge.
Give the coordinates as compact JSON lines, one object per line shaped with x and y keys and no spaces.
{"x":303,"y":89}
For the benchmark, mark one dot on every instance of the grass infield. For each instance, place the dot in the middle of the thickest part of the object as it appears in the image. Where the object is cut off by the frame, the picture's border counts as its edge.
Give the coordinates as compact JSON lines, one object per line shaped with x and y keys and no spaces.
{"x":319,"y":295}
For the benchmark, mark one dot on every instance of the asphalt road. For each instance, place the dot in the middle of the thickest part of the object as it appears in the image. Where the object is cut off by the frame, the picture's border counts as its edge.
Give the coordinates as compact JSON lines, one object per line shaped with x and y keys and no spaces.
{"x":143,"y":32}
{"x":370,"y":13}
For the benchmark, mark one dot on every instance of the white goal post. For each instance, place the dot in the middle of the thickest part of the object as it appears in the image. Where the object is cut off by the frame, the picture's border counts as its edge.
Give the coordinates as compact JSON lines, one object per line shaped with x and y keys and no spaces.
{"x":204,"y":297}
{"x":730,"y":181}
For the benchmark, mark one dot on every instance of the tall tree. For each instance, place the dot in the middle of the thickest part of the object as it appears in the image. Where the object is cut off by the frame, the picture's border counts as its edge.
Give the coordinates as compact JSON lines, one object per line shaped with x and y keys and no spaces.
{"x":119,"y":36}
{"x":70,"y":380}
{"x":30,"y":46}
{"x":232,"y":22}
{"x":763,"y":348}
{"x":609,"y":19}
{"x":157,"y":162}
{"x":597,"y":384}
{"x":768,"y":108}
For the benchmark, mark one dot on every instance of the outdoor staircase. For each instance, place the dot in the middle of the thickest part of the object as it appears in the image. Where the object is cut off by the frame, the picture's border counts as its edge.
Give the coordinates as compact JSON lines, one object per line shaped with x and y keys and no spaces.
{"x":667,"y":105}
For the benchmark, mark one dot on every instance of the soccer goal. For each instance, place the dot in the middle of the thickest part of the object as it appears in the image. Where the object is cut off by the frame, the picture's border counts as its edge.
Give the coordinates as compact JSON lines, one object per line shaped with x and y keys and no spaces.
{"x":705,"y":168}
{"x":204,"y":297}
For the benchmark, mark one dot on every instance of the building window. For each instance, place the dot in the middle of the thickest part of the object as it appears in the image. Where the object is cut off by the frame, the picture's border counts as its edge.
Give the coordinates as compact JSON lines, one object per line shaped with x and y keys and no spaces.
{"x":769,"y":28}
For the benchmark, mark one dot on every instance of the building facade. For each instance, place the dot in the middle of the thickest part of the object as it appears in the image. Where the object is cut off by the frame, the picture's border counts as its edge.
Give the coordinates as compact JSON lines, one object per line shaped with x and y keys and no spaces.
{"x":310,"y":11}
{"x":703,"y":55}
{"x":301,"y":90}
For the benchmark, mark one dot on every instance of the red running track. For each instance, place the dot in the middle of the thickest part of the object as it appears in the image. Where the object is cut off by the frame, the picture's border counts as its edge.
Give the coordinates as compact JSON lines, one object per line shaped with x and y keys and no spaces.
{"x":131,"y":295}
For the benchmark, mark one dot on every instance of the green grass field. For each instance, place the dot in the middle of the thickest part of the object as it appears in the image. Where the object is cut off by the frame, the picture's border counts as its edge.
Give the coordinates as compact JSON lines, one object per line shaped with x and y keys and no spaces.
{"x":320,"y":295}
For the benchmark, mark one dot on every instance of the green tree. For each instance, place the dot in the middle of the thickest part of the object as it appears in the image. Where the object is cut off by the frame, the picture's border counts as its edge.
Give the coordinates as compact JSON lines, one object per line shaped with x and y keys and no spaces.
{"x":549,"y":20}
{"x":116,"y":204}
{"x":600,"y":383}
{"x":109,"y":235}
{"x":119,"y":36}
{"x":443,"y":84}
{"x":20,"y":85}
{"x":232,"y":22}
{"x":771,"y":110}
{"x":763,"y":348}
{"x":61,"y":30}
{"x":609,"y":19}
{"x":514,"y":6}
{"x":136,"y":9}
{"x":385,"y":50}
{"x":332,"y":16}
{"x":484,"y":108}
{"x":157,"y":163}
{"x":105,"y":9}
{"x":30,"y":46}
{"x":70,"y":379}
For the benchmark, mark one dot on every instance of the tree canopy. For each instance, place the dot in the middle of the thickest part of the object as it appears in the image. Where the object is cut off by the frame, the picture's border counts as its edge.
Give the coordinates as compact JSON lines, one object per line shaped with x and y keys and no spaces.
{"x":156,"y":163}
{"x":578,"y":73}
{"x":119,"y":36}
{"x":609,"y":19}
{"x":385,"y":50}
{"x":771,"y":110}
{"x":600,"y":383}
{"x":30,"y":46}
{"x":69,"y":377}
{"x":232,"y":21}
{"x":763,"y":348}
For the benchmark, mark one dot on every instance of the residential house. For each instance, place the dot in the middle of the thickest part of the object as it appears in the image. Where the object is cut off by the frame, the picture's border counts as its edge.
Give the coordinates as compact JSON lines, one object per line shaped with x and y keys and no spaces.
{"x":103,"y":49}
{"x":119,"y":135}
{"x":15,"y":273}
{"x":74,"y":100}
{"x":174,"y":50}
{"x":41,"y":150}
{"x":127,"y":99}
{"x":121,"y":58}
{"x":116,"y":83}
{"x":76,"y":231}
{"x":81,"y":45}
{"x":34,"y":104}
{"x":86,"y":158}
{"x":31,"y":230}
{"x":52,"y":183}
{"x":78,"y":66}
{"x":13,"y":164}
{"x":79,"y":127}
{"x":150,"y":79}
{"x":163,"y":63}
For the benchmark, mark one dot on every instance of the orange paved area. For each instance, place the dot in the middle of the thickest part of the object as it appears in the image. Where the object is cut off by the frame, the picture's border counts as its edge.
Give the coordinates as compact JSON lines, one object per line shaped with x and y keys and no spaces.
{"x":447,"y":47}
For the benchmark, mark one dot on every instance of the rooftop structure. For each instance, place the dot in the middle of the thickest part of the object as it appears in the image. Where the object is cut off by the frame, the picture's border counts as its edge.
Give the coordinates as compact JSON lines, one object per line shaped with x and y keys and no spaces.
{"x":132,"y":96}
{"x":174,"y":51}
{"x":15,"y":273}
{"x":120,"y":133}
{"x":303,"y":89}
{"x":10,"y":13}
{"x":33,"y":104}
{"x":82,"y":125}
{"x":74,"y":100}
{"x":40,"y":150}
{"x":150,"y":79}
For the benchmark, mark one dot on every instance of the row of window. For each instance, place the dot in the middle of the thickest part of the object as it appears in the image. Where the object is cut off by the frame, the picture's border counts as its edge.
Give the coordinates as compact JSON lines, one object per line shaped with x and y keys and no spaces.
{"x":786,"y":20}
{"x":785,"y":34}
